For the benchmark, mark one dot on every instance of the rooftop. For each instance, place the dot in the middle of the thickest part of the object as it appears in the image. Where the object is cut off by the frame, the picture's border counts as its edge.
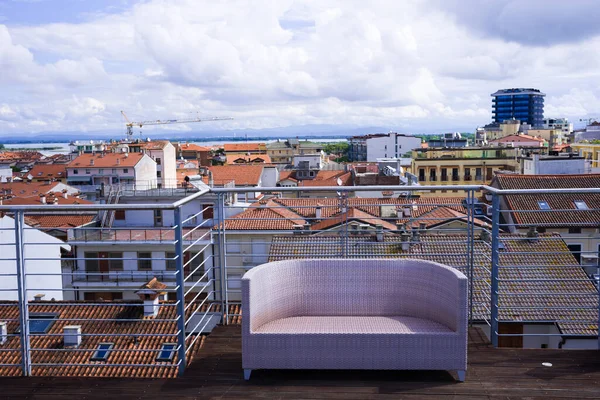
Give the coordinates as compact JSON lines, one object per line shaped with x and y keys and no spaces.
{"x":243,"y":175}
{"x":243,"y":147}
{"x":215,"y":372}
{"x":245,"y":159}
{"x":49,"y":171}
{"x":513,"y":91}
{"x":106,"y":160}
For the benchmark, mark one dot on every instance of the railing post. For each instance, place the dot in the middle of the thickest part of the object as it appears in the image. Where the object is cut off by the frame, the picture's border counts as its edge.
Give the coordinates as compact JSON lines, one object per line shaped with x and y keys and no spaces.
{"x":222,"y":258}
{"x":180,"y":284}
{"x":22,"y":292}
{"x":495,"y":260}
{"x":470,"y":247}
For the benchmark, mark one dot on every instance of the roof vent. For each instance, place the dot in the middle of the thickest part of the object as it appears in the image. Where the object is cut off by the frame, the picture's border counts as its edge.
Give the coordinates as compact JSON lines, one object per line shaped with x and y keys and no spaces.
{"x":72,"y":335}
{"x":39,"y":297}
{"x":532,"y":234}
{"x":405,"y":241}
{"x":379,"y":232}
{"x":297,"y":229}
{"x":318,"y":212}
{"x":150,"y":293}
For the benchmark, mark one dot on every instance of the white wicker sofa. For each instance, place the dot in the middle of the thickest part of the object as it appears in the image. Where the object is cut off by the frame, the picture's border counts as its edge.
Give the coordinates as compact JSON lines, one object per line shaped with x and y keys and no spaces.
{"x":354,"y":314}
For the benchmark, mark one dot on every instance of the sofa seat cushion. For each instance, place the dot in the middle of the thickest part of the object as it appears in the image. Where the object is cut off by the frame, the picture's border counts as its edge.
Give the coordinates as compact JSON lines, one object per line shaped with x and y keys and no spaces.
{"x":353,"y":325}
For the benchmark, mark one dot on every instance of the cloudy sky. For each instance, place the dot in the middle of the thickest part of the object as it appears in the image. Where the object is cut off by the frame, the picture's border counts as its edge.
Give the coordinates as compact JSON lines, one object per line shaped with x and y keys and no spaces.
{"x":410,"y":65}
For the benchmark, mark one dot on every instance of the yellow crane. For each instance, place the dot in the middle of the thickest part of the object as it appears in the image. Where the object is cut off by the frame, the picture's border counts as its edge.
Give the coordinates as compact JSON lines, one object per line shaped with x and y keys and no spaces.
{"x":131,"y":124}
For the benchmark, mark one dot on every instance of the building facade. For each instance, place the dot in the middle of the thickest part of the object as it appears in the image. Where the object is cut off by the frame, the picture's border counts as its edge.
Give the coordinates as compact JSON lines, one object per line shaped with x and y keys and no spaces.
{"x":381,"y":145}
{"x":524,"y":104}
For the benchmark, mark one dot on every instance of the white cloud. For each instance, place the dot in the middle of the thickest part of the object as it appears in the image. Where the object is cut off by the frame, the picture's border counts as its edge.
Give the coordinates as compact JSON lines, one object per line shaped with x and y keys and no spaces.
{"x":411,"y":64}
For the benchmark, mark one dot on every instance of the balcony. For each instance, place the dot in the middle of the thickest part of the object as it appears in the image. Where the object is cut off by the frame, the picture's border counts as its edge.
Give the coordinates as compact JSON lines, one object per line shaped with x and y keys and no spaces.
{"x":527,"y":290}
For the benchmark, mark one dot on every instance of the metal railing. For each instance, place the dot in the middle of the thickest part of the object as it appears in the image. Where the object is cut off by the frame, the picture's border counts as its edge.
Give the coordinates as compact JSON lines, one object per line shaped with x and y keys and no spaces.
{"x":527,"y":288}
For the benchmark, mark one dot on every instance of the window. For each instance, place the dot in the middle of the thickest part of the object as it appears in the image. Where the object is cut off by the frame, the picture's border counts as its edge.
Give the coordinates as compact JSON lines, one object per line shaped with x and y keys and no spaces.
{"x":541,"y":230}
{"x":115,"y":265}
{"x":101,"y":171}
{"x":41,"y":323}
{"x":574,"y":230}
{"x":101,"y":353}
{"x":114,"y":170}
{"x":75,"y":172}
{"x":158,"y":219}
{"x":144,"y":261}
{"x":125,"y":170}
{"x":167,"y":352}
{"x":88,"y":171}
{"x":120,"y":215}
{"x":581,"y":205}
{"x":576,"y":250}
{"x":91,"y":261}
{"x":543,"y":205}
{"x":171,"y":262}
{"x":233,"y":246}
{"x":157,"y":161}
{"x":158,"y":174}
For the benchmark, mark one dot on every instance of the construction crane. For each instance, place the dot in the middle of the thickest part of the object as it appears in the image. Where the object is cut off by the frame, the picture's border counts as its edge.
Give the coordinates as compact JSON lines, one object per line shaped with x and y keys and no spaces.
{"x":131,"y":124}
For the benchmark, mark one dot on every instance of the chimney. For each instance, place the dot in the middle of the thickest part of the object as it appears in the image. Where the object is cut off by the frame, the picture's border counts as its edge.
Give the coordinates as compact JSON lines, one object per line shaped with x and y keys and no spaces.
{"x":211,"y":181}
{"x":65,"y":193}
{"x":407,"y":210}
{"x":150,"y":294}
{"x":297,"y":229}
{"x":91,"y":161}
{"x":72,"y":335}
{"x":416,"y":234}
{"x":3,"y":332}
{"x":405,"y":239}
{"x":55,"y":201}
{"x":118,"y":161}
{"x":379,"y":232}
{"x":318,"y":212}
{"x":485,"y":236}
{"x":307,"y":226}
{"x":126,"y":155}
{"x":39,"y":297}
{"x":532,"y":234}
{"x":42,"y":198}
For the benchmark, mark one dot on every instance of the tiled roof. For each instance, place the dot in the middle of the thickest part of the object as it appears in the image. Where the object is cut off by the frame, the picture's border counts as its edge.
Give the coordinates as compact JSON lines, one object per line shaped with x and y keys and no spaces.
{"x":538,"y":280}
{"x":108,"y":160}
{"x":439,"y":216}
{"x":192,"y":147}
{"x":28,"y":193}
{"x":49,"y":171}
{"x":329,"y":178}
{"x":20,"y":155}
{"x":265,"y":216}
{"x":245,"y":159}
{"x":352,"y":214}
{"x":243,"y":175}
{"x":51,"y":221}
{"x":563,"y":212}
{"x":241,"y":147}
{"x":120,"y":318}
{"x":518,"y":138}
{"x":156,"y":144}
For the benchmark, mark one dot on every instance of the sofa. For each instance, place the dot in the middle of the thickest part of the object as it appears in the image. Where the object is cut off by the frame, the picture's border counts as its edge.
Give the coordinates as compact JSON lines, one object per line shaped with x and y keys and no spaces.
{"x":354,"y":314}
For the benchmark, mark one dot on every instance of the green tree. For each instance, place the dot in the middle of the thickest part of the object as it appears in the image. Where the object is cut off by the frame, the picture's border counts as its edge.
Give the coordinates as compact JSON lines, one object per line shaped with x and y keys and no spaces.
{"x":1,"y":146}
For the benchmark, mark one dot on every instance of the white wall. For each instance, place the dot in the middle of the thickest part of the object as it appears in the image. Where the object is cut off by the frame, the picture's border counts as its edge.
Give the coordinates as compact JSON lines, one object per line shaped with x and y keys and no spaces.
{"x":314,"y":161}
{"x":36,"y":245}
{"x":269,"y":177}
{"x":386,"y":147}
{"x":535,"y":342}
{"x":145,"y":173}
{"x":554,"y":167}
{"x":5,"y":172}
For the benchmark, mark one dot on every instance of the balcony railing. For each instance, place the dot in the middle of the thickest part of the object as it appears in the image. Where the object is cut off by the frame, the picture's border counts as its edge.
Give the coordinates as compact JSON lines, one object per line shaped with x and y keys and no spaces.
{"x":531,"y":287}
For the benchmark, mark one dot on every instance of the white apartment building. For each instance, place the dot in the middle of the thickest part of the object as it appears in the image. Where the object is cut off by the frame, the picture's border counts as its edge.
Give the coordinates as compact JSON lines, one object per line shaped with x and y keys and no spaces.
{"x":381,"y":145}
{"x":165,"y":156}
{"x":5,"y":173}
{"x":89,"y":172}
{"x":37,"y":244}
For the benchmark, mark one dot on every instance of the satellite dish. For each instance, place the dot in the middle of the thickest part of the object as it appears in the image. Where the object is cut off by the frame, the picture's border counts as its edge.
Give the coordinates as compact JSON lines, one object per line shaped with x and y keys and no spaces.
{"x":339,"y":181}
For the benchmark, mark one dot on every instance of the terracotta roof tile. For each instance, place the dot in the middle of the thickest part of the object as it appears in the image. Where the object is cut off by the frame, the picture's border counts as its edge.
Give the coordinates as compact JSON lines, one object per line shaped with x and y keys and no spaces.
{"x":50,"y":171}
{"x":242,"y":147}
{"x":245,"y":159}
{"x":108,"y":160}
{"x":526,"y":210}
{"x":111,"y":318}
{"x":243,"y":175}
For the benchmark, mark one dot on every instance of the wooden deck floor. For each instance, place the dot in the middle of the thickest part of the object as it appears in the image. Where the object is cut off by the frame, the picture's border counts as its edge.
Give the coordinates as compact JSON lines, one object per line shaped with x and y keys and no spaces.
{"x":217,"y":374}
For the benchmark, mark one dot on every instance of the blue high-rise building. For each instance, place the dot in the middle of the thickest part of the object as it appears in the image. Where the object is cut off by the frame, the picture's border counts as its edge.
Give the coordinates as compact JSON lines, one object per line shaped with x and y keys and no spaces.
{"x":524,"y":104}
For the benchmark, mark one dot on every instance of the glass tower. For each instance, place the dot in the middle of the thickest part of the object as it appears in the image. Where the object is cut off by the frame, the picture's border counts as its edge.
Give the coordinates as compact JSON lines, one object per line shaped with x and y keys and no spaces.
{"x":526,"y":105}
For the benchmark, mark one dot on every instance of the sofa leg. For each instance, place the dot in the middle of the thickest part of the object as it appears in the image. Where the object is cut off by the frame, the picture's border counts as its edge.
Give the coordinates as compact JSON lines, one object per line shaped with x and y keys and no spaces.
{"x":247,"y":373}
{"x":461,"y":375}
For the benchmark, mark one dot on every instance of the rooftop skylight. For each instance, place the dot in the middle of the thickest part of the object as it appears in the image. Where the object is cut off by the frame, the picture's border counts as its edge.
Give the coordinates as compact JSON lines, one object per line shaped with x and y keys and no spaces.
{"x":581,"y":205}
{"x":543,"y":205}
{"x":167,"y":352}
{"x":101,"y":353}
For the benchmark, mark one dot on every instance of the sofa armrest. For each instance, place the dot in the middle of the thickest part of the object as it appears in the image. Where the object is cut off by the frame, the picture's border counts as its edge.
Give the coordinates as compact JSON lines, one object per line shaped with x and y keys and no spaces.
{"x":269,"y":292}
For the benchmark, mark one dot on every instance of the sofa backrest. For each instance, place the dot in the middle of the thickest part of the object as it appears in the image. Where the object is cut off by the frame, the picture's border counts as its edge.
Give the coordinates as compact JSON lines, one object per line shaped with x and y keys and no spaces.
{"x":361,"y":287}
